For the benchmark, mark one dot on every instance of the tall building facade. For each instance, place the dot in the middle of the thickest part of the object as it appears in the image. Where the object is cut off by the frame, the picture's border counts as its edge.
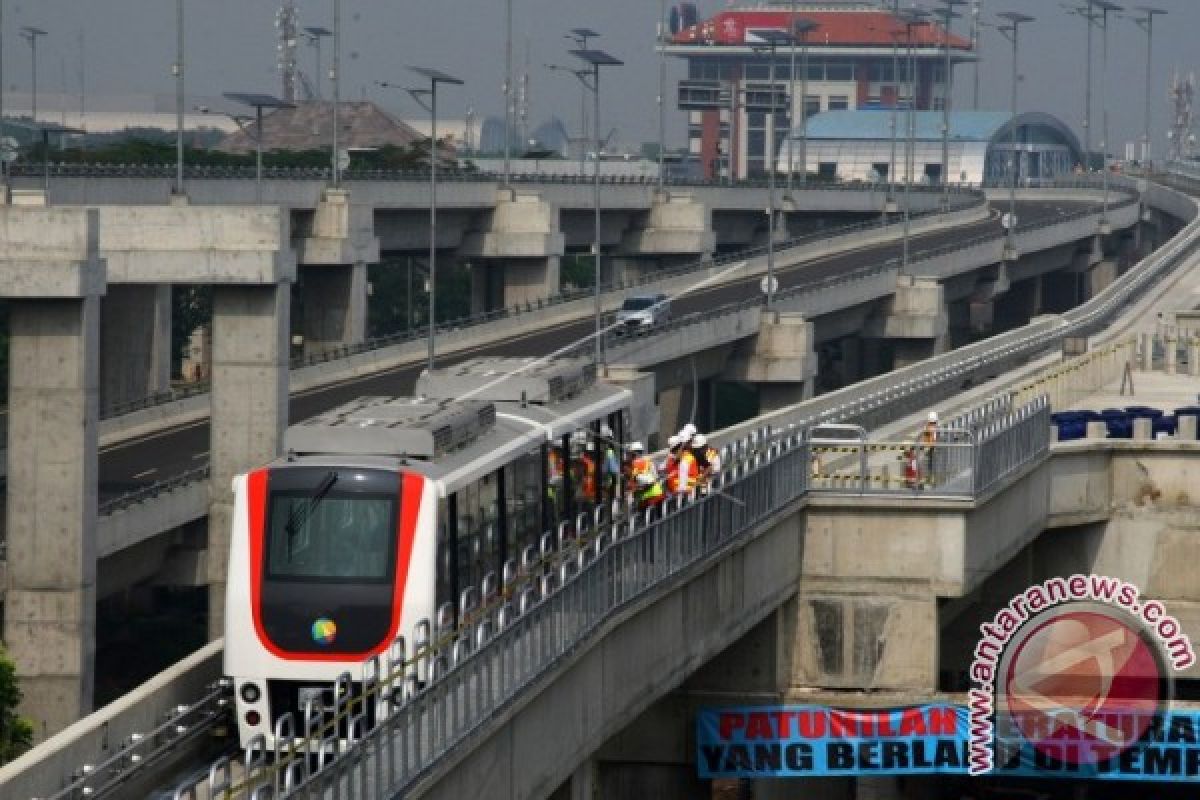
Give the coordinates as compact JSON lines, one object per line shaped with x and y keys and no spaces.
{"x":858,"y":57}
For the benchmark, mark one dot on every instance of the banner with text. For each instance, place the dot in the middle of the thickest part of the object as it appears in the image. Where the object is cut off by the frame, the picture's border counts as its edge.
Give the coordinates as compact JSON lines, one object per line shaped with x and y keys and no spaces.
{"x":811,"y":741}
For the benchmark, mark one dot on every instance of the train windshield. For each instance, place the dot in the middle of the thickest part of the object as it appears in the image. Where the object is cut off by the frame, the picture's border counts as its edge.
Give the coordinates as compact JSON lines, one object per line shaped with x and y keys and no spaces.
{"x":330,"y":535}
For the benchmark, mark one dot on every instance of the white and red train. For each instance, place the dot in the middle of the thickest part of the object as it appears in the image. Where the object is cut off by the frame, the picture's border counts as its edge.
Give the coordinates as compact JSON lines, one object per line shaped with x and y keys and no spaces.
{"x":384,"y":510}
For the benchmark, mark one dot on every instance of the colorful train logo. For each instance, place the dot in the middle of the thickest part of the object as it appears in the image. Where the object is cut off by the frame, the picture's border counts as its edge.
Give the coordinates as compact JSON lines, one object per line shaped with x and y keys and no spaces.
{"x":324,"y":631}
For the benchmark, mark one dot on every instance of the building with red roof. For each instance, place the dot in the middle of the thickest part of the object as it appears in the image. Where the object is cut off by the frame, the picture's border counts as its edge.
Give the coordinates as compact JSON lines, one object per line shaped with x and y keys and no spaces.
{"x":857,"y":59}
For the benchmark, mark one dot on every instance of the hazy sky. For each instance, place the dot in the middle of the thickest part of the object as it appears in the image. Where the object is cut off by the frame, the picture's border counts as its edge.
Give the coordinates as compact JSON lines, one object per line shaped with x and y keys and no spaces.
{"x":128,"y":46}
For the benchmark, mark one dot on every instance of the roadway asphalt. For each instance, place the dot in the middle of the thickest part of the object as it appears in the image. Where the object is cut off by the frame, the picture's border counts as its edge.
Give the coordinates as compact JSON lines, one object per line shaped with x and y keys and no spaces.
{"x":139,"y":462}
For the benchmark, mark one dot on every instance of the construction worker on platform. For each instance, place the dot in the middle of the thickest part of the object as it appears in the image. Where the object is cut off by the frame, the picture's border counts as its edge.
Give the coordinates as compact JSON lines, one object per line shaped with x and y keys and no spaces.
{"x":610,"y":464}
{"x":554,"y":478}
{"x":670,"y":466}
{"x":708,"y":460}
{"x":685,"y":476}
{"x":912,"y":468}
{"x":647,"y":488}
{"x":928,"y":440}
{"x":587,"y":472}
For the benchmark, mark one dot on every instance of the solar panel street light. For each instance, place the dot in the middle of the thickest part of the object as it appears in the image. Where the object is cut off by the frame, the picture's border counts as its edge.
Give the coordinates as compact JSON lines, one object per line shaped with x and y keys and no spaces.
{"x":31,"y":35}
{"x":596,"y":59}
{"x":1146,"y":23}
{"x":1012,"y":33}
{"x":435,"y":77}
{"x":313,"y":34}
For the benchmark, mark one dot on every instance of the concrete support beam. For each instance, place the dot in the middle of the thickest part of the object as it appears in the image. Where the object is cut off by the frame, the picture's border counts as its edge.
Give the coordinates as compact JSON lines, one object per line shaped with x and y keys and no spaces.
{"x":51,"y":273}
{"x":866,"y":641}
{"x":249,"y":408}
{"x":333,"y":252}
{"x":522,"y":236}
{"x":915,"y":318}
{"x":676,"y":224}
{"x":135,"y":342}
{"x":334,"y":302}
{"x":781,"y":360}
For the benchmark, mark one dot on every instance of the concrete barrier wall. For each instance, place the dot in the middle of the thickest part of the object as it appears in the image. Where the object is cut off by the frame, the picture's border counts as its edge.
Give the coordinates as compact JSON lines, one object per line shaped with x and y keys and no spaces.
{"x":51,"y":765}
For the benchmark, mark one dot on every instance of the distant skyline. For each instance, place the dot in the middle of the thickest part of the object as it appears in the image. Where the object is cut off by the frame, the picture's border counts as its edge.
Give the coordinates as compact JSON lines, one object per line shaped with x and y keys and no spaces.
{"x":128,"y":47}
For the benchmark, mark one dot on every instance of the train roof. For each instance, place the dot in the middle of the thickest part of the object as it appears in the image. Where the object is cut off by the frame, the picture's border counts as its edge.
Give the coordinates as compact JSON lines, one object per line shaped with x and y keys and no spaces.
{"x":510,"y":380}
{"x":404,"y":433}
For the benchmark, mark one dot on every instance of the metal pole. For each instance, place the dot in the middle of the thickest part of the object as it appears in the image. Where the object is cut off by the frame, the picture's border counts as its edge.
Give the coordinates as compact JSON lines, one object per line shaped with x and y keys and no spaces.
{"x":976,"y":42}
{"x":770,"y":163}
{"x":662,"y":95}
{"x":947,"y":12}
{"x":179,"y":97}
{"x":1149,"y":87}
{"x":1016,"y":156}
{"x":599,"y":348}
{"x":891,"y":198}
{"x":734,"y":88}
{"x":803,"y":113}
{"x":335,"y":75}
{"x":909,"y":156}
{"x":320,"y":77}
{"x":408,"y":320}
{"x":1104,"y":110}
{"x":33,"y":45}
{"x":791,"y":95}
{"x":508,"y":74}
{"x":3,"y":163}
{"x":1087,"y":102}
{"x":432,"y":220}
{"x":258,"y":145}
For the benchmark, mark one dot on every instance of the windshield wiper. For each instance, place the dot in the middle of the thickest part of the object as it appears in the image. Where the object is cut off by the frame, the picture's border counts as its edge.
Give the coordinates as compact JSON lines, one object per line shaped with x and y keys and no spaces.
{"x":301,"y":514}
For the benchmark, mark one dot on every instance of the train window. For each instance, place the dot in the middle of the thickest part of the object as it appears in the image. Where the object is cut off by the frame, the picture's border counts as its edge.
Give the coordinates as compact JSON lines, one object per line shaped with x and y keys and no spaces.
{"x":336,"y":537}
{"x":523,"y":488}
{"x":478,"y":508}
{"x":445,"y":554}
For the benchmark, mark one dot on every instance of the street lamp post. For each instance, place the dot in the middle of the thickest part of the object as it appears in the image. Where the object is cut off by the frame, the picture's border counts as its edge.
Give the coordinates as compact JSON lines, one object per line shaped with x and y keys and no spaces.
{"x":1012,"y":33}
{"x":580,"y":37}
{"x":947,"y":14}
{"x":771,"y":40}
{"x":31,"y":35}
{"x":662,"y":93}
{"x":800,"y":29}
{"x":894,"y":119}
{"x":912,"y":18}
{"x":179,"y":99}
{"x":435,"y":77}
{"x":258,"y":102}
{"x":976,"y":42}
{"x":597,"y":59}
{"x":313,"y":34}
{"x":1106,"y":8}
{"x":3,"y":156}
{"x":335,"y":75}
{"x":1146,"y":23}
{"x":508,"y":80}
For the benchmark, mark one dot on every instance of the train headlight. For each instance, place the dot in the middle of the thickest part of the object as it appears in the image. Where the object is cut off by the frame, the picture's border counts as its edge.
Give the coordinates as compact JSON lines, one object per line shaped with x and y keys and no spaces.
{"x":251,"y":693}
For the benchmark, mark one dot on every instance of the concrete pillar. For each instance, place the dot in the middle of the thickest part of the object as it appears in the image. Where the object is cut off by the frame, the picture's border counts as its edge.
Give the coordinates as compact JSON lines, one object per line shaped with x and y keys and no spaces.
{"x":522,"y":237}
{"x":676,"y":229}
{"x":333,"y":253}
{"x":915,"y":318}
{"x":52,"y":276}
{"x":780,"y":361}
{"x":528,"y":280}
{"x":334,"y":306}
{"x":249,"y":407}
{"x":135,"y":342}
{"x":50,"y":608}
{"x":673,"y":413}
{"x":869,"y":640}
{"x":1100,"y":276}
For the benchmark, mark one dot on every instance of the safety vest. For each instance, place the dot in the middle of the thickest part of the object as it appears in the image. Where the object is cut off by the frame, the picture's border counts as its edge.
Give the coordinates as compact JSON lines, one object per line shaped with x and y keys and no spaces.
{"x":683,"y":478}
{"x":929,"y":434}
{"x":587,"y":482}
{"x":554,"y":464}
{"x":912,"y":469}
{"x":651,"y":494}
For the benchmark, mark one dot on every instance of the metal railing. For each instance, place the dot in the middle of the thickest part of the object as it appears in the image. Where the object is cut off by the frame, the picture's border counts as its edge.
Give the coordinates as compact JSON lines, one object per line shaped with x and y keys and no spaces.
{"x":151,"y":491}
{"x":448,"y":175}
{"x":140,"y":750}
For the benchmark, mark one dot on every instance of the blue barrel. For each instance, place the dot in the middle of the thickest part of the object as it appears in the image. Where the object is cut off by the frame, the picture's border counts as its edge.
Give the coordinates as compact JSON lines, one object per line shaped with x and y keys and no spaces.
{"x":1166,"y":425}
{"x":1119,"y":423}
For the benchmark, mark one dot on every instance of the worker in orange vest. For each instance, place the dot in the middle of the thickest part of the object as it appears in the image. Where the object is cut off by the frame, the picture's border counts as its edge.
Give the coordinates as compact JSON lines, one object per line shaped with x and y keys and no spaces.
{"x":587,"y":474}
{"x":682,"y":479}
{"x":647,"y":489}
{"x":708,"y":460}
{"x":554,"y":478}
{"x":670,"y":466}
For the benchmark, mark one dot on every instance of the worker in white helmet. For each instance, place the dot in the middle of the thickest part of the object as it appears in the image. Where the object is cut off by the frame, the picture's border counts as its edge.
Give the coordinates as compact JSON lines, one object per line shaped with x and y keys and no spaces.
{"x":928,"y":439}
{"x":708,"y":460}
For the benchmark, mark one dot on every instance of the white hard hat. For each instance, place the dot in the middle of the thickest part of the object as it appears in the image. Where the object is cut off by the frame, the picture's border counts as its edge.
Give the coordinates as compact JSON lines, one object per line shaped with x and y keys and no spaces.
{"x":674,"y":441}
{"x":606,"y":431}
{"x":637,"y":447}
{"x":698,"y":440}
{"x":933,"y":416}
{"x":688,"y":431}
{"x":591,"y":447}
